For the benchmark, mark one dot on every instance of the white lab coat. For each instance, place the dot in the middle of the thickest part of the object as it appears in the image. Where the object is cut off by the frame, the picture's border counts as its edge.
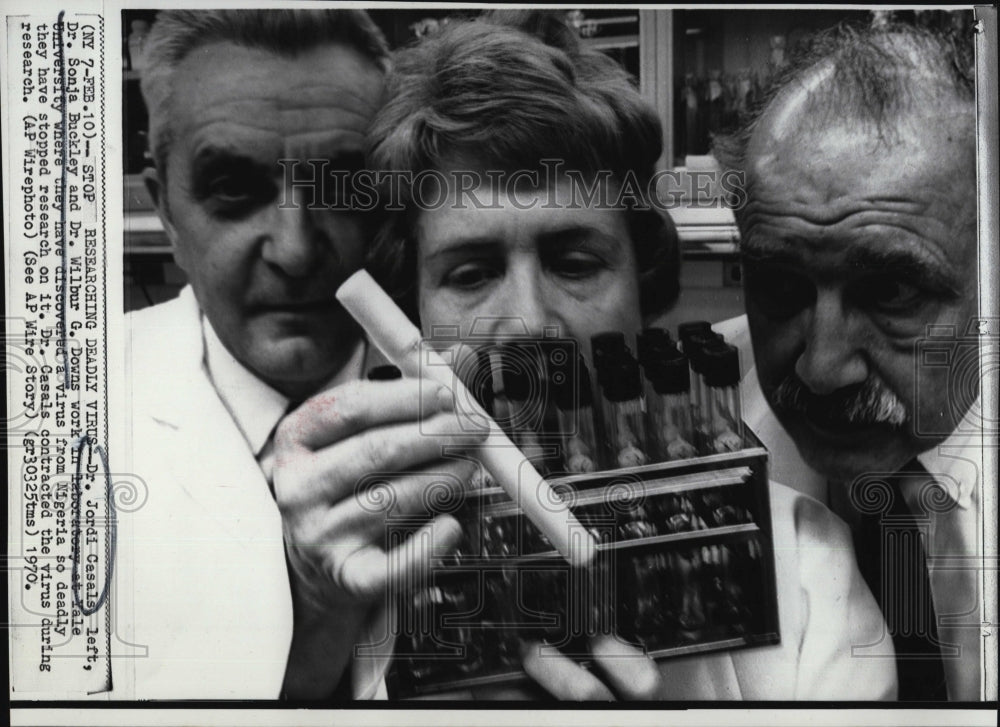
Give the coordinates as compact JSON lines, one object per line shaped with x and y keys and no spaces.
{"x":202,"y":582}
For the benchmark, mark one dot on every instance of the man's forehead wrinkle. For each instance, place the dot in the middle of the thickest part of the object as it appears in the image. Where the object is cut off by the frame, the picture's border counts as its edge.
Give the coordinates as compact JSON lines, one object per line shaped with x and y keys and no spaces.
{"x":221,"y":127}
{"x":271,"y":109}
{"x":323,"y":144}
{"x":780,"y":184}
{"x":320,"y":94}
{"x":261,"y":88}
{"x":797,"y":202}
{"x":316,"y":97}
{"x":900,"y":229}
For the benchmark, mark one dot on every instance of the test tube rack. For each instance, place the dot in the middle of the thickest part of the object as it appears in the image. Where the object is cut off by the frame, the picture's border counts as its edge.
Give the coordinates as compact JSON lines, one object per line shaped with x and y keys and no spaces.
{"x":685,"y":566}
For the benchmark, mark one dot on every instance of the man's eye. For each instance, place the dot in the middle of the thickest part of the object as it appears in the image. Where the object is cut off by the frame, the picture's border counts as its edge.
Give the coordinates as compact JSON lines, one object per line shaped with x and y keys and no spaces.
{"x":470,"y":276}
{"x":780,"y":293}
{"x":234,"y":192}
{"x":229,"y":188}
{"x":890,"y":295}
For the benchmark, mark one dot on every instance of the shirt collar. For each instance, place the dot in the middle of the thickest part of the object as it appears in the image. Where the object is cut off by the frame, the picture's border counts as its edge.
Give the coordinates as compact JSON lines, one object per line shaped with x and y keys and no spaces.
{"x":256,"y":407}
{"x":959,"y":459}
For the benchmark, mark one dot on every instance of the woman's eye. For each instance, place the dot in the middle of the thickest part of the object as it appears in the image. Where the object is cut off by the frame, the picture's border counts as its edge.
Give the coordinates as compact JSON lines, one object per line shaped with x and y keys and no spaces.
{"x":470,"y":276}
{"x":577,"y":265}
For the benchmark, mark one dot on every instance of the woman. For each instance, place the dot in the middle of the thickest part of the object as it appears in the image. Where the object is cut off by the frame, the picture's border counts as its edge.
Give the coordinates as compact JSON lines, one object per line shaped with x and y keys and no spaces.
{"x":523,"y":166}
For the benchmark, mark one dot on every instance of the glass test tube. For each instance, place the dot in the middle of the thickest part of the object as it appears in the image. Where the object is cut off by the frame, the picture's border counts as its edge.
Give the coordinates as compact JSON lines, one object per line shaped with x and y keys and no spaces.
{"x":695,"y":348}
{"x":651,"y":345}
{"x":685,"y":332}
{"x":522,"y":376}
{"x":479,"y":380}
{"x":625,"y":427}
{"x":604,"y":347}
{"x":691,"y":328}
{"x":722,"y":380}
{"x":569,"y":383}
{"x":670,"y":407}
{"x":607,"y":345}
{"x":652,"y":342}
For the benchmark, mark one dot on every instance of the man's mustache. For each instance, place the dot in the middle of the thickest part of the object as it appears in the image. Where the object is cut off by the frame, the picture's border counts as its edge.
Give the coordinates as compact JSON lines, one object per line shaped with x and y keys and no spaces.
{"x":866,"y":404}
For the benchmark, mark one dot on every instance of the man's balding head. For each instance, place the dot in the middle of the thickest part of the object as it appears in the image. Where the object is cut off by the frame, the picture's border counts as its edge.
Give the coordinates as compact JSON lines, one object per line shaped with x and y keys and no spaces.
{"x":870,"y":78}
{"x":858,"y":237}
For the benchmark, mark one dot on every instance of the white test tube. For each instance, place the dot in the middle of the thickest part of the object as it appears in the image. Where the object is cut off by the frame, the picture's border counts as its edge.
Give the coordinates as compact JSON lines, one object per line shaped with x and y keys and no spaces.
{"x":400,"y":341}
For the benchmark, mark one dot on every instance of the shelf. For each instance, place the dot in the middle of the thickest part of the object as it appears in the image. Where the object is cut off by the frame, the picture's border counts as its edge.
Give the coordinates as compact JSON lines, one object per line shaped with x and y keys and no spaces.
{"x":616,"y":20}
{"x":611,"y":42}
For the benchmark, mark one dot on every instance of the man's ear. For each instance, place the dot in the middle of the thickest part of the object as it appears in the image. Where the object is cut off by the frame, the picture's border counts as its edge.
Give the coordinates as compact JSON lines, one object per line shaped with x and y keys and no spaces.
{"x":157,"y":189}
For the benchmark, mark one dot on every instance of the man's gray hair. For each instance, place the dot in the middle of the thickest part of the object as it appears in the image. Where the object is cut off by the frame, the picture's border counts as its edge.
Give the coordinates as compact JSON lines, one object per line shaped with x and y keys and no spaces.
{"x":176,"y":33}
{"x":877,"y":74}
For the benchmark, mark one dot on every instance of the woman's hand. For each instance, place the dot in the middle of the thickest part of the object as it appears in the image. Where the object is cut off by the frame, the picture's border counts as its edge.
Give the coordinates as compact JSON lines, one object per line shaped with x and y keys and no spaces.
{"x":621,"y":672}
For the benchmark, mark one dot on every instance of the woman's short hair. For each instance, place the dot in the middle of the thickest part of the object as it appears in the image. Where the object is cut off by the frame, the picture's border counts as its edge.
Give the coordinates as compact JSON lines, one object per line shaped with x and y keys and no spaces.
{"x":504,"y":92}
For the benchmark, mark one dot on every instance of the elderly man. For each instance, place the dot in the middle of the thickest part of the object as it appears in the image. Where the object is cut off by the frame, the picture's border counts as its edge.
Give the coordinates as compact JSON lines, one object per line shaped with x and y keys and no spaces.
{"x":216,"y":603}
{"x":859,"y":252}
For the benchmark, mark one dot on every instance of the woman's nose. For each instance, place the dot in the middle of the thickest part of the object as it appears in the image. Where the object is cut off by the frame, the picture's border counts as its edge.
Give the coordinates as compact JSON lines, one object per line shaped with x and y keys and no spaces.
{"x":526,"y":303}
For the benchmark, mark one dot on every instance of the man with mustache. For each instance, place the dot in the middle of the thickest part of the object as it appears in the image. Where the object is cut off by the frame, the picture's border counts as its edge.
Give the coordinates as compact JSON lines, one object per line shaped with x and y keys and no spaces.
{"x":222,"y":599}
{"x":859,"y":251}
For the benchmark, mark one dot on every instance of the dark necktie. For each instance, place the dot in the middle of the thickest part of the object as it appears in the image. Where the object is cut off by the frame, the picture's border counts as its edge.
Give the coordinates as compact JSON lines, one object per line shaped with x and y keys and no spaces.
{"x":893,"y":562}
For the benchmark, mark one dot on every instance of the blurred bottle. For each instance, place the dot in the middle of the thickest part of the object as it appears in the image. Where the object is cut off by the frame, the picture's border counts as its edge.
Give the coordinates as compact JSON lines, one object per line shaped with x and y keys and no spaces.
{"x":689,"y":115}
{"x":139,"y":30}
{"x":715,"y":103}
